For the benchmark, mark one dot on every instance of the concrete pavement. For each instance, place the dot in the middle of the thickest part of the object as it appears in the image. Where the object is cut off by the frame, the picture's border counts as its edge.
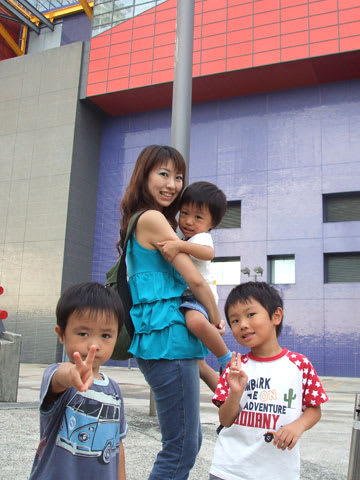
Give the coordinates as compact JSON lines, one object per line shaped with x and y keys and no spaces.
{"x":325,"y":448}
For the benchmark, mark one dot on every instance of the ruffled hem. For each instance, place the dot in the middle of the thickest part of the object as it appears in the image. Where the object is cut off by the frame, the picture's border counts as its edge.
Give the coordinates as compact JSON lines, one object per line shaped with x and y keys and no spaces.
{"x":173,"y":342}
{"x":149,"y":317}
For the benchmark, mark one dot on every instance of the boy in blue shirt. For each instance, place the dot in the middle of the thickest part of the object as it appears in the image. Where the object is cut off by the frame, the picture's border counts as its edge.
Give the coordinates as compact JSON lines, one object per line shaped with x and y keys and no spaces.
{"x":82,"y":419}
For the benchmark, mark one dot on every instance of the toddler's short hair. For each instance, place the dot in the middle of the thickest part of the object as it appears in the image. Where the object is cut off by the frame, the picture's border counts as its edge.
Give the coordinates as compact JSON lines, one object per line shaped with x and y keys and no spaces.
{"x":265,"y":294}
{"x":208,"y":194}
{"x":90,"y":296}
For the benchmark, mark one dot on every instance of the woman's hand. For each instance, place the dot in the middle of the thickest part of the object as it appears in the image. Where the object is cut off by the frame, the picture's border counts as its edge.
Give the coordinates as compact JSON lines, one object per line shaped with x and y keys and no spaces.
{"x":221,"y":328}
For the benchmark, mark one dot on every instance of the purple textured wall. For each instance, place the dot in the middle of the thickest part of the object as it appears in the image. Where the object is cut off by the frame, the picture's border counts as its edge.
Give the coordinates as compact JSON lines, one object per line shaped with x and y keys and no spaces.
{"x":277,"y":153}
{"x":76,"y":28}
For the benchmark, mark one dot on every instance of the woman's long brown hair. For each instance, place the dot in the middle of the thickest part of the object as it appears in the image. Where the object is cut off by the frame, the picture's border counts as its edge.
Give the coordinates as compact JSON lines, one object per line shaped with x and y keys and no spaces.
{"x":137,"y":196}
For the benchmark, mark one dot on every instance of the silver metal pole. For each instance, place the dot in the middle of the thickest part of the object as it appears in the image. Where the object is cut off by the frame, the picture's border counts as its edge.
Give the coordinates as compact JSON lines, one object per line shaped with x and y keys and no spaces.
{"x":354,"y":457}
{"x":152,"y":405}
{"x":182,"y":91}
{"x":182,"y":87}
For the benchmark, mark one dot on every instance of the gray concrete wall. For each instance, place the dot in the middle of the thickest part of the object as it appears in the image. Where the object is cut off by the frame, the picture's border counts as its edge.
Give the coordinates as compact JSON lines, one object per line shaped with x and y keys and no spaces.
{"x":40,"y":150}
{"x":47,"y":38}
{"x":80,"y":228}
{"x":10,"y":348}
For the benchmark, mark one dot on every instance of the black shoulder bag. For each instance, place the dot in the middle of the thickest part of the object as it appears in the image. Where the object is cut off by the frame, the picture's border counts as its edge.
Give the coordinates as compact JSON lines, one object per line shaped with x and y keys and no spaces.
{"x":116,"y":278}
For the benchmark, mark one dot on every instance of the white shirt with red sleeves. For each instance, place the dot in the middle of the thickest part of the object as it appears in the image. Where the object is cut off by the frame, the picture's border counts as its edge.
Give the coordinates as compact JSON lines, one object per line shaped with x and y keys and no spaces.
{"x":278,"y":390}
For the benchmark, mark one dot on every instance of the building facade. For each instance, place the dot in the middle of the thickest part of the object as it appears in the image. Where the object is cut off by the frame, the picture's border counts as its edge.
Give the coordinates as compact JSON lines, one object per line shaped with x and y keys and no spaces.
{"x":275,"y":123}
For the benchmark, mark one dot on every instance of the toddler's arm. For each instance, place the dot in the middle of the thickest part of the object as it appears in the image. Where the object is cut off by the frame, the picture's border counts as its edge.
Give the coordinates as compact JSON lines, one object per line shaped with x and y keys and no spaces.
{"x":170,"y":248}
{"x":237,"y":380}
{"x":288,"y":435}
{"x":78,"y":375}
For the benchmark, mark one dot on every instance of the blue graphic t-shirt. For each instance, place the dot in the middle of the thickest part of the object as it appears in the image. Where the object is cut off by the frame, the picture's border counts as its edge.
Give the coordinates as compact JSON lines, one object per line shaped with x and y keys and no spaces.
{"x":80,"y":432}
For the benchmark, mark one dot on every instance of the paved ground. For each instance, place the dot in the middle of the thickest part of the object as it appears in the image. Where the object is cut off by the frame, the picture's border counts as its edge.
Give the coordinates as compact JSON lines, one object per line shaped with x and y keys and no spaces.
{"x":325,"y":448}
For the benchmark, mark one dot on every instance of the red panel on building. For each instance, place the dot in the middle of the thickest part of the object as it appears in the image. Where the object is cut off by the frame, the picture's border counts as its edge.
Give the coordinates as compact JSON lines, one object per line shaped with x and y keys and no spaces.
{"x":230,"y":43}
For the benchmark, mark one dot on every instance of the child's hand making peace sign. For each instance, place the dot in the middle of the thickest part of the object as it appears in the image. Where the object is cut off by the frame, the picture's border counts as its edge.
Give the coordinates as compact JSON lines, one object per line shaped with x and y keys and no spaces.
{"x":237,"y":378}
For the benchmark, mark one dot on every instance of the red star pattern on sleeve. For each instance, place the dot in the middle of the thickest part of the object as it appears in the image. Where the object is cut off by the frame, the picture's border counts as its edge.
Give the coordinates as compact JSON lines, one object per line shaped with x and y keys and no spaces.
{"x":222,"y":389}
{"x":313,"y":392}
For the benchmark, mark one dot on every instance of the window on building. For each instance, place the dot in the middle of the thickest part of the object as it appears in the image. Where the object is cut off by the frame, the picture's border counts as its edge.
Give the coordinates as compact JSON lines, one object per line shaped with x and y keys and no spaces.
{"x":281,"y":269}
{"x":341,"y":207}
{"x":232,"y":217}
{"x":226,"y":270}
{"x":342,"y":267}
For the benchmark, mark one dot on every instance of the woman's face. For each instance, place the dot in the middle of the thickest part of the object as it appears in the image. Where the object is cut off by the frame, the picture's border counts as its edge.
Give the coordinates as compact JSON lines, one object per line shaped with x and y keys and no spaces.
{"x":165,"y":184}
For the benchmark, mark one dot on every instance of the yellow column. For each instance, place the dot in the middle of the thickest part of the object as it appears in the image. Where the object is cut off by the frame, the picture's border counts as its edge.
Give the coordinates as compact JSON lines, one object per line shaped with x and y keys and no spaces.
{"x":86,"y":8}
{"x":10,"y":41}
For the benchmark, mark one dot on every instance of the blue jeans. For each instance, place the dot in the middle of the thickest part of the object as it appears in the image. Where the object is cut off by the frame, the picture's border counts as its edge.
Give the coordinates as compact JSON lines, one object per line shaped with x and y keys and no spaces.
{"x":176,"y":388}
{"x":189,"y":302}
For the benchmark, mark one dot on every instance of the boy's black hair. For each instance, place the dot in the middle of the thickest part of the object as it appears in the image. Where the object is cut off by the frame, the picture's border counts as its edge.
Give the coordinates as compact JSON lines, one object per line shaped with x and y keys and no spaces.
{"x":206,"y":193}
{"x":262,"y":292}
{"x":90,"y":296}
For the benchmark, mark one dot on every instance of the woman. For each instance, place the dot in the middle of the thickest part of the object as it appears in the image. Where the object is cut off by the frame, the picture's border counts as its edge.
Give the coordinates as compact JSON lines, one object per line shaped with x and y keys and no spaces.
{"x":165,"y":350}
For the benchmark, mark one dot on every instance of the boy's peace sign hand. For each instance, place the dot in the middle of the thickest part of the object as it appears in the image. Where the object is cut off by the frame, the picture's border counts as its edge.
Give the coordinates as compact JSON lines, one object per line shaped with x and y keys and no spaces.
{"x":237,"y":378}
{"x":83,"y":376}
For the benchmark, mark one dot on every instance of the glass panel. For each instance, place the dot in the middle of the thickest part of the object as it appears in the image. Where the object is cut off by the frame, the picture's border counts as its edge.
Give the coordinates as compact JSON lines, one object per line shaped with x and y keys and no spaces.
{"x":104,"y":19}
{"x":342,"y":207}
{"x":226,"y":272}
{"x":122,"y":4}
{"x":127,"y":12}
{"x":282,"y":270}
{"x":103,"y":8}
{"x":98,"y":30}
{"x":232,"y":217}
{"x":143,"y":8}
{"x":46,"y":5}
{"x":342,"y":268}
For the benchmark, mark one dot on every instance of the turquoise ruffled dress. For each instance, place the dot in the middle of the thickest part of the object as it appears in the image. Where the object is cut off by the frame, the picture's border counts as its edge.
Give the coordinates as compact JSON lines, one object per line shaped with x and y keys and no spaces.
{"x":156,"y":289}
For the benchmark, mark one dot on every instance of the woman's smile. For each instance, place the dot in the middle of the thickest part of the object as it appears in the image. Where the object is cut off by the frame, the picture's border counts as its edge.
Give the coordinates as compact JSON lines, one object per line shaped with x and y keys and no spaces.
{"x":165,"y":184}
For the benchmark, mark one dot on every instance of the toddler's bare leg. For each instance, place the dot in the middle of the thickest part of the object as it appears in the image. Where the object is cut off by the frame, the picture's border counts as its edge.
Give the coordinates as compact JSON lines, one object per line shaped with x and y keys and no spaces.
{"x":206,"y":332}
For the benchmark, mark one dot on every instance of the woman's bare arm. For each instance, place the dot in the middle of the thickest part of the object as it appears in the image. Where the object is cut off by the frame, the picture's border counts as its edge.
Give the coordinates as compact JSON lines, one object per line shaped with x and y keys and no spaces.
{"x":153,"y":228}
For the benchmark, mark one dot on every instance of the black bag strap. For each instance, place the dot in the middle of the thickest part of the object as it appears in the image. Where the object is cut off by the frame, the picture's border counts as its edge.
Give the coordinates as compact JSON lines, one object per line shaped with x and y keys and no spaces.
{"x":132,"y":224}
{"x":122,"y":283}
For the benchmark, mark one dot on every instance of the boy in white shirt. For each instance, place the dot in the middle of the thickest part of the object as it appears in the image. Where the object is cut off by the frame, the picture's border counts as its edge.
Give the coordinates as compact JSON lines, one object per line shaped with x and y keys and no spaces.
{"x":202,"y":207}
{"x":267,"y":398}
